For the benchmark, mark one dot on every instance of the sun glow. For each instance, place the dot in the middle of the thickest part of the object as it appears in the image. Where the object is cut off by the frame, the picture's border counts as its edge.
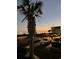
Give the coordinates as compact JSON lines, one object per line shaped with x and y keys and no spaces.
{"x":42,"y":30}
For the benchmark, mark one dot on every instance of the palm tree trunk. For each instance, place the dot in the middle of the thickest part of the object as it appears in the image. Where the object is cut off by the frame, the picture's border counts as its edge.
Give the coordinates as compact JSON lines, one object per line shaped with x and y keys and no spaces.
{"x":31,"y":47}
{"x":31,"y":31}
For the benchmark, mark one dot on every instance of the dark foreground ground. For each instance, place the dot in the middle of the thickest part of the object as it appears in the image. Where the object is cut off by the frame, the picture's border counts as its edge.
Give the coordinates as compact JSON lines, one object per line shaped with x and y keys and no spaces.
{"x":48,"y":53}
{"x":41,"y":51}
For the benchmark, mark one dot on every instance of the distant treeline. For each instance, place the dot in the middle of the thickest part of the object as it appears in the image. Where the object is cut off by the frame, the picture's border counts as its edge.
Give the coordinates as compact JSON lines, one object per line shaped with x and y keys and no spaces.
{"x":37,"y":35}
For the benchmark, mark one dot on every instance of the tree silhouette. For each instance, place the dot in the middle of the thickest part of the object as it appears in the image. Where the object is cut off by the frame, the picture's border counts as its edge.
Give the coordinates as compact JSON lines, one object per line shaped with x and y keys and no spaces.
{"x":31,"y":10}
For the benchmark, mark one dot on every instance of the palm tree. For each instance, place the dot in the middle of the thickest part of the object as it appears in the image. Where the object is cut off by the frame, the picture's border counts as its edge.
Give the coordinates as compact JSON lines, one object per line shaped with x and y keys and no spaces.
{"x":31,"y":10}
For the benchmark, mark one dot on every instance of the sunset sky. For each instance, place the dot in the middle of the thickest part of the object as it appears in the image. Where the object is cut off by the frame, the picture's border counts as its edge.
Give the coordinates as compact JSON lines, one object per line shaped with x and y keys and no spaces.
{"x":51,"y":17}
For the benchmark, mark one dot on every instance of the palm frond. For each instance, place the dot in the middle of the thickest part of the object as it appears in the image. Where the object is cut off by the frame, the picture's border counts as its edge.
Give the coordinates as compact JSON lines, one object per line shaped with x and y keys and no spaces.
{"x":18,"y":7}
{"x":40,"y":11}
{"x":26,"y":2}
{"x":38,"y":5}
{"x":32,"y":7}
{"x":36,"y":8}
{"x":25,"y":12}
{"x":21,"y":7}
{"x":24,"y":19}
{"x":37,"y":15}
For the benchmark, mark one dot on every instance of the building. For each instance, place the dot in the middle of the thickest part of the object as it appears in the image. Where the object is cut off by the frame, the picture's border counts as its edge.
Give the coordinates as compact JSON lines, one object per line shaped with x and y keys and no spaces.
{"x":56,"y":30}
